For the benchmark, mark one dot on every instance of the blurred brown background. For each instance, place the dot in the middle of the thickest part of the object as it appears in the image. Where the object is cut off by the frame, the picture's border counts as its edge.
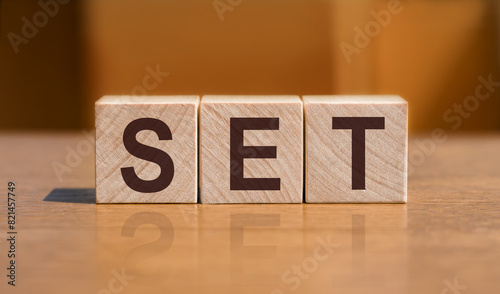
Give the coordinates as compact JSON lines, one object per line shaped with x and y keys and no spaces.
{"x":71,"y":52}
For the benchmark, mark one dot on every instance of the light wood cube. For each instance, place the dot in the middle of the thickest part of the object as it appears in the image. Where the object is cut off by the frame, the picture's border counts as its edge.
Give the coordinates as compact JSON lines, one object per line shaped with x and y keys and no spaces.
{"x":251,"y":149}
{"x":146,"y":149}
{"x":356,"y":149}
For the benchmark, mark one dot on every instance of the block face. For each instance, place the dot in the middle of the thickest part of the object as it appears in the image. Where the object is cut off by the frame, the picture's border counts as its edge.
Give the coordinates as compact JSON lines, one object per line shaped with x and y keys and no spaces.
{"x":127,"y":130}
{"x":231,"y":130}
{"x":329,"y":152}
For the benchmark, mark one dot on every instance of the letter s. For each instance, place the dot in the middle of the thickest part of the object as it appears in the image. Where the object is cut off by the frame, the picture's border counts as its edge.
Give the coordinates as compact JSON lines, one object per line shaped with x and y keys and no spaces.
{"x":288,"y":278}
{"x":148,"y":153}
{"x":452,"y":118}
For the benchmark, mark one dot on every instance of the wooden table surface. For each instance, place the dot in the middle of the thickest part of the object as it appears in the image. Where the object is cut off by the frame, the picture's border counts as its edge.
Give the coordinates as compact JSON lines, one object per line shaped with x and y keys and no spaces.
{"x":445,"y":240}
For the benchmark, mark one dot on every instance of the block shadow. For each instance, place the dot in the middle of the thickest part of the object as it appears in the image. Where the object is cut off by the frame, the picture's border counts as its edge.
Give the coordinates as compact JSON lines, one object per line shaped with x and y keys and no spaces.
{"x":72,"y":195}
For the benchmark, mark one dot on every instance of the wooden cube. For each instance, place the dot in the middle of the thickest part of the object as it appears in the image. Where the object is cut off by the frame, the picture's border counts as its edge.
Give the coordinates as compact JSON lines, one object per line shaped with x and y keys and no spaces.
{"x":251,"y":149}
{"x":356,"y":149}
{"x":146,"y":149}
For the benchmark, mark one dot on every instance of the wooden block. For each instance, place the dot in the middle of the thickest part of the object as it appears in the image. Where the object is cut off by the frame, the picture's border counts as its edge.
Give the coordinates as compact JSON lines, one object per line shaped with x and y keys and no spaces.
{"x":251,"y":149}
{"x":146,"y":149}
{"x":356,"y":149}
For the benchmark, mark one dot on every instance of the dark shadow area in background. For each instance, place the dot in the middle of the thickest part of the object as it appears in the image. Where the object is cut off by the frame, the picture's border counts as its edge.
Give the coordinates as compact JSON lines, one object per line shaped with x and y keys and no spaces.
{"x":41,"y":80}
{"x":72,"y":195}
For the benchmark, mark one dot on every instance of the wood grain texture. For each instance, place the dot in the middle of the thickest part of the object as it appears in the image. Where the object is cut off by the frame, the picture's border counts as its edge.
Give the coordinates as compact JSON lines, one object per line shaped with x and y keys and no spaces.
{"x":330,"y":156}
{"x":449,"y":229}
{"x":216,"y":164}
{"x":113,"y":115}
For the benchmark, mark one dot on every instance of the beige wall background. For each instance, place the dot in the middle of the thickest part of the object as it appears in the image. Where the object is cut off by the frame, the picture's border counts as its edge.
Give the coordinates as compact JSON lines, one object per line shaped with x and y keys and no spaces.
{"x":429,"y":52}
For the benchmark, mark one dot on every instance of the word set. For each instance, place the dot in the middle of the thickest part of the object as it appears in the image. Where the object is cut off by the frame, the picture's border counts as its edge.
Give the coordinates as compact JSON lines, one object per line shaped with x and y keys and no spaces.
{"x":251,"y":149}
